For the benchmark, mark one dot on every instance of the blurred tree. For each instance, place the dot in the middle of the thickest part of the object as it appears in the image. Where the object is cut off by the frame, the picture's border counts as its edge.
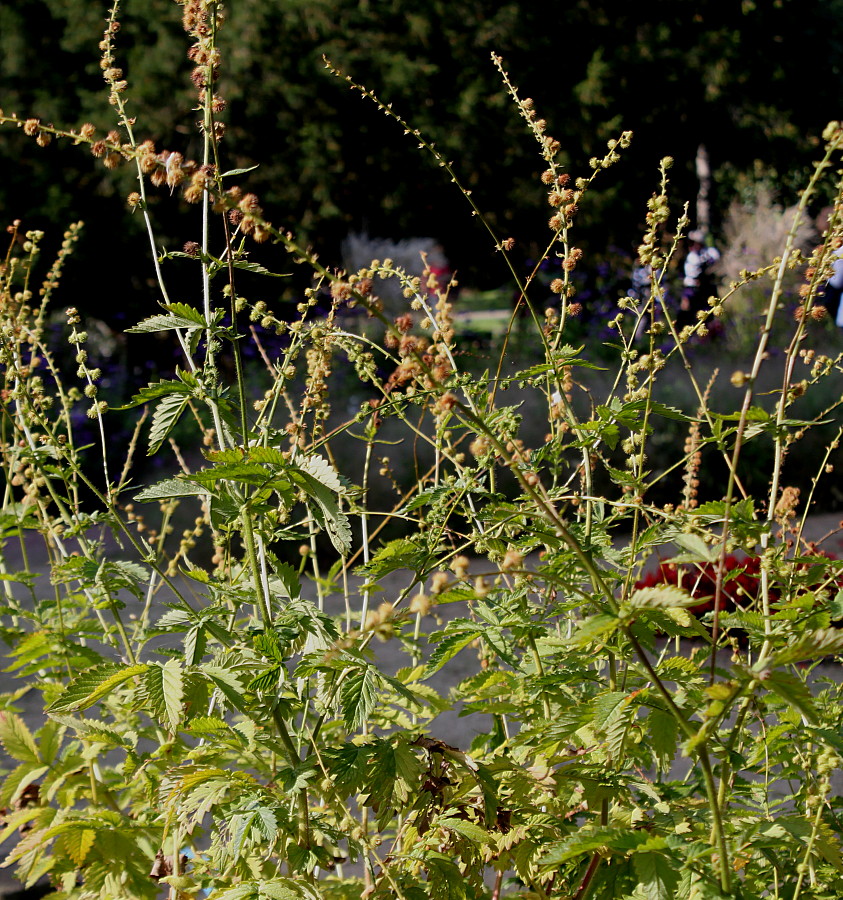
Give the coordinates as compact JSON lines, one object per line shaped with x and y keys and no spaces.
{"x":754,"y":81}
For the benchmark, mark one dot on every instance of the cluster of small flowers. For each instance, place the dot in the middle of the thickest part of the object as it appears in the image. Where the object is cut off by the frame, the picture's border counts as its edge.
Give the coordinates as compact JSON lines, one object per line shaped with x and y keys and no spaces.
{"x":562,"y":198}
{"x":613,"y":156}
{"x":821,"y":365}
{"x":166,"y":167}
{"x":812,"y":313}
{"x":112,"y":74}
{"x":91,"y":376}
{"x":692,"y":466}
{"x":786,"y":505}
{"x":318,"y":358}
{"x":186,"y":544}
{"x":51,"y":281}
{"x":550,"y":146}
{"x":204,"y":54}
{"x":245,"y":213}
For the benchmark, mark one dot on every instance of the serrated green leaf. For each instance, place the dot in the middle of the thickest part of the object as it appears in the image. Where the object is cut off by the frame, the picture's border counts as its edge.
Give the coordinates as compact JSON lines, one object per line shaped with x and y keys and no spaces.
{"x":606,"y":705}
{"x":327,"y":513}
{"x":270,"y":456}
{"x":320,"y":469}
{"x":586,"y":841}
{"x":228,"y":683}
{"x":668,"y":412}
{"x":812,"y":645}
{"x":657,"y":874}
{"x":185,"y":311}
{"x":95,"y":731}
{"x":470,"y":830}
{"x":445,"y":878}
{"x":663,"y":596}
{"x":240,"y":892}
{"x":76,"y":841}
{"x":346,"y":765}
{"x":155,"y":391}
{"x":428,"y":497}
{"x":598,"y":627}
{"x":663,"y":732}
{"x":794,"y":691}
{"x":696,"y":549}
{"x":280,"y":889}
{"x":394,"y":556}
{"x":266,"y":681}
{"x":164,"y":419}
{"x":447,"y":649}
{"x":358,"y":695}
{"x":172,"y":686}
{"x":207,"y":725}
{"x":244,"y":472}
{"x":174,"y":619}
{"x":89,"y":687}
{"x":17,"y":739}
{"x":622,"y":476}
{"x":168,"y":488}
{"x":231,"y":455}
{"x":164,"y":323}
{"x":288,"y":578}
{"x":257,"y":269}
{"x":195,"y":642}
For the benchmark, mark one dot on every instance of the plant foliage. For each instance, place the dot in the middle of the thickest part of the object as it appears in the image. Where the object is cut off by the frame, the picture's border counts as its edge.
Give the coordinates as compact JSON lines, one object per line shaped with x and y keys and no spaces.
{"x":223,"y":712}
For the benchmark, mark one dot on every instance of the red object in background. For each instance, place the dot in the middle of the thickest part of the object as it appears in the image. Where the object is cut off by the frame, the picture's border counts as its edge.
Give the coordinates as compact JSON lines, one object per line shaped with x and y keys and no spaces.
{"x":741,"y":581}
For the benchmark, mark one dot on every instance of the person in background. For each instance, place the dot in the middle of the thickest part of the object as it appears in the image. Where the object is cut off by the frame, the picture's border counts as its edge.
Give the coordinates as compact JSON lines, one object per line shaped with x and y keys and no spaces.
{"x":833,"y":291}
{"x":698,"y":279}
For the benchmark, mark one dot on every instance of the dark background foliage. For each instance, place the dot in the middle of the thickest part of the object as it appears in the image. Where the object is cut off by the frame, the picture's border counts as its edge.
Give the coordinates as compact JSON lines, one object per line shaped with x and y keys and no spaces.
{"x":753,"y":81}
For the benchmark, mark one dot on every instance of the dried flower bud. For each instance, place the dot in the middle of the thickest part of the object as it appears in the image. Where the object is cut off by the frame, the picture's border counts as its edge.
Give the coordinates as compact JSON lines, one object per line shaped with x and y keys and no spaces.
{"x":460,"y":566}
{"x":421,"y":604}
{"x":438,"y":583}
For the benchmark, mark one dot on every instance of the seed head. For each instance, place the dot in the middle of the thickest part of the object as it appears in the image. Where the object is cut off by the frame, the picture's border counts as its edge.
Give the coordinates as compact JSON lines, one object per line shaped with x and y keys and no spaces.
{"x":512,"y":560}
{"x":193,"y":193}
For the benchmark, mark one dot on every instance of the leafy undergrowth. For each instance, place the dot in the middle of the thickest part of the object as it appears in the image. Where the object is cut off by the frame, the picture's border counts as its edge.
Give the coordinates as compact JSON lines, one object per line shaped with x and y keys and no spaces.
{"x":204,"y":727}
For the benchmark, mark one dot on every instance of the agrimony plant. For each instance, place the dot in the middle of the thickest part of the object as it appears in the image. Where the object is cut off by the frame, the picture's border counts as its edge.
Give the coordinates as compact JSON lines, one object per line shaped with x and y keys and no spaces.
{"x":215,"y":715}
